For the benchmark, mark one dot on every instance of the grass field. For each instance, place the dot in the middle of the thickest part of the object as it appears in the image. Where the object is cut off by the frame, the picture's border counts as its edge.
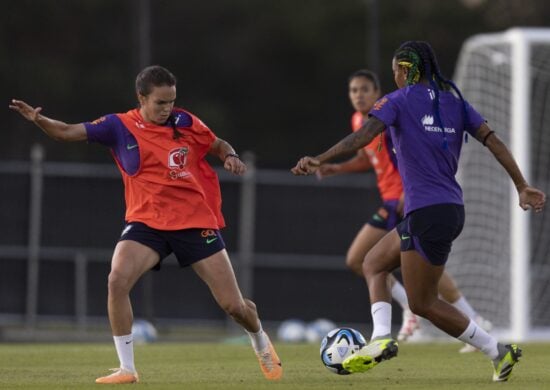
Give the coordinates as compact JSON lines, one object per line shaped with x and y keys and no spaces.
{"x":223,"y":366}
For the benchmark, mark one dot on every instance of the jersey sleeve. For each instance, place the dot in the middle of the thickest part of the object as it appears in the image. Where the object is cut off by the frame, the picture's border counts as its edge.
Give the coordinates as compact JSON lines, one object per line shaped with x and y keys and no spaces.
{"x":473,"y":119}
{"x":386,"y":110}
{"x":102,"y":130}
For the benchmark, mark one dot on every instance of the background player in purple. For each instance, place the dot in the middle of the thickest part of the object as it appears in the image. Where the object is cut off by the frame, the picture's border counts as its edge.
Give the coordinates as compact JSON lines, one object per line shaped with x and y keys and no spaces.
{"x":427,"y":123}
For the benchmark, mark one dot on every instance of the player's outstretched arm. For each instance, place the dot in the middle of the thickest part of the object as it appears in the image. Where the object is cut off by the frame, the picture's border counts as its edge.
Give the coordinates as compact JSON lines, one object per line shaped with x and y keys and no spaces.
{"x":529,"y":197}
{"x":358,"y":163}
{"x":230,"y":159}
{"x":60,"y":131}
{"x":353,"y":142}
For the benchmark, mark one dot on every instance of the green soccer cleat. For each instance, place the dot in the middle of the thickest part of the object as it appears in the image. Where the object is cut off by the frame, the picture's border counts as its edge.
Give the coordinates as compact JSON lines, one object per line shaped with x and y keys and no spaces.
{"x":370,"y":355}
{"x":503,"y":364}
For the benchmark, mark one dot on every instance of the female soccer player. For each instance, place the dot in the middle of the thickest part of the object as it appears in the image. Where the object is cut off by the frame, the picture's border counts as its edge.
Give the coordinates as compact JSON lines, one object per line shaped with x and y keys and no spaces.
{"x":364,"y":91}
{"x":427,"y":124}
{"x":173,"y":204}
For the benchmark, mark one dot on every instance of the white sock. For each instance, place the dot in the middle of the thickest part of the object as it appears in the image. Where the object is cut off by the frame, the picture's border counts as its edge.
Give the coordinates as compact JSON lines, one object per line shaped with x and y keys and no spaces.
{"x":464,"y":306}
{"x":381,"y":319}
{"x":125,"y":350}
{"x":399,"y":294}
{"x":476,"y":336}
{"x":258,"y":339}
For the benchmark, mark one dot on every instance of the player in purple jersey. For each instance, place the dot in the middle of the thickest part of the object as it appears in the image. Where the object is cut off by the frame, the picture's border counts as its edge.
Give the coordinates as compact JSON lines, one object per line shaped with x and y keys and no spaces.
{"x":427,"y":123}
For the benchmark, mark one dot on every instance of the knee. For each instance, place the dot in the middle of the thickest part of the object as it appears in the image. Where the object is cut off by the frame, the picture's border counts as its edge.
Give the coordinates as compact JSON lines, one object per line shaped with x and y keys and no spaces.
{"x":354,"y":263}
{"x":118,"y":283}
{"x":419,"y":307}
{"x":369,"y":268}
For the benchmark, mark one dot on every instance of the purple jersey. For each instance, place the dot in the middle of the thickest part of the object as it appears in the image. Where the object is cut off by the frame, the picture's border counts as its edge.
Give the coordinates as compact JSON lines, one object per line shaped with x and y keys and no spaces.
{"x":426,"y":167}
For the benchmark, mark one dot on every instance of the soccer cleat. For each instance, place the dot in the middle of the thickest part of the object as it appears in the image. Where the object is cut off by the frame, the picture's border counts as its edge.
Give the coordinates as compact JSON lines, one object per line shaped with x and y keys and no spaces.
{"x":505,"y":362}
{"x":118,"y":377}
{"x":269,"y":362}
{"x":486,"y":325}
{"x":371,"y":354}
{"x":409,"y":326}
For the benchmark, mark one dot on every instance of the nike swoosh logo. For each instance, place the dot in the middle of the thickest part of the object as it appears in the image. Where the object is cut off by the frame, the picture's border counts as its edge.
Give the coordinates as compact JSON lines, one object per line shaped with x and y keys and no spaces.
{"x":130,"y":147}
{"x":405,"y":237}
{"x":128,"y":342}
{"x":473,"y":334}
{"x":211,"y":240}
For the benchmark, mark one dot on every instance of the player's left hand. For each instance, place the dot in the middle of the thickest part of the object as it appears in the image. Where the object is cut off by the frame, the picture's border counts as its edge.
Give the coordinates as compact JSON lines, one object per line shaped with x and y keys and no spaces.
{"x":234,"y":165}
{"x":306,"y":166}
{"x":532,"y":198}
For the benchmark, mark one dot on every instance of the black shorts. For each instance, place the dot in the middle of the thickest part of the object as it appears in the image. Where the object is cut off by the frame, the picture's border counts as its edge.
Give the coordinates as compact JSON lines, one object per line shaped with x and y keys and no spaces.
{"x":431,"y":231}
{"x":189,"y":245}
{"x":386,"y":217}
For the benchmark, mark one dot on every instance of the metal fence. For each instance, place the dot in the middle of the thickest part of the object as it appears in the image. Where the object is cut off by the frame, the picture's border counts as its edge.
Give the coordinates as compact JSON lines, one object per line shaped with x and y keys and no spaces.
{"x":287,"y":237}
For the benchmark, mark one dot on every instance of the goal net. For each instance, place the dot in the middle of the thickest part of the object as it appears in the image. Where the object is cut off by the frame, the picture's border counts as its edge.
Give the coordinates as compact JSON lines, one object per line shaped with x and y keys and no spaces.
{"x":501,"y":261}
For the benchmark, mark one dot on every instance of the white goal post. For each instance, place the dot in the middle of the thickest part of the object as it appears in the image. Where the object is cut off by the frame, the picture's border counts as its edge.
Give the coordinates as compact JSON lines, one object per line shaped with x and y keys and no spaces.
{"x":502,"y":259}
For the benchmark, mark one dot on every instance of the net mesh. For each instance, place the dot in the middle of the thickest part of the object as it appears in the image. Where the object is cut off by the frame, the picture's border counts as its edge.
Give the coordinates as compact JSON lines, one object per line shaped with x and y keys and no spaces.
{"x":480,"y":260}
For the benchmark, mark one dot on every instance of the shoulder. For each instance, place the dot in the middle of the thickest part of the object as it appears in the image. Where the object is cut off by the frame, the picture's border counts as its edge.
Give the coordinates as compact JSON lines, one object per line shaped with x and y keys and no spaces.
{"x":183,"y":118}
{"x":192,"y":124}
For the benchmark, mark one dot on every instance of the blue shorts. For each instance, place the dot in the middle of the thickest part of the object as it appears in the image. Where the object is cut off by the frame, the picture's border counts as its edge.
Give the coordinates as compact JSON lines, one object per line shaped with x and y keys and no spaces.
{"x":431,"y":231}
{"x":189,"y":245}
{"x":387,"y":216}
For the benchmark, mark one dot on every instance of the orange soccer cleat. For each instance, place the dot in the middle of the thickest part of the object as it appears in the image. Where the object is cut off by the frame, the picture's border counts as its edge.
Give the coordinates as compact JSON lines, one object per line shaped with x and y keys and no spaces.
{"x":118,"y":377}
{"x":270,"y":362}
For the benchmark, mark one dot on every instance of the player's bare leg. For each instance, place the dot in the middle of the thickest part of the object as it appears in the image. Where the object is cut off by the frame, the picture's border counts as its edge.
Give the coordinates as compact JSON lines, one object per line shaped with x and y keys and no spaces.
{"x":421,"y":282}
{"x":130,"y":261}
{"x":216,"y":271}
{"x":363,"y":242}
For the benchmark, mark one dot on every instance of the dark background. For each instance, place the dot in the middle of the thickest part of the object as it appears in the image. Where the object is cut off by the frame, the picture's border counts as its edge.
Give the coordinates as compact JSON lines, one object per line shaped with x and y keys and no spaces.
{"x":270,"y":76}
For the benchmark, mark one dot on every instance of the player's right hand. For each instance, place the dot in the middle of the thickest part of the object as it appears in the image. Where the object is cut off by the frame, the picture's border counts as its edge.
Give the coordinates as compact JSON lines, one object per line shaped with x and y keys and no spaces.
{"x":306,"y":166}
{"x":28,"y":112}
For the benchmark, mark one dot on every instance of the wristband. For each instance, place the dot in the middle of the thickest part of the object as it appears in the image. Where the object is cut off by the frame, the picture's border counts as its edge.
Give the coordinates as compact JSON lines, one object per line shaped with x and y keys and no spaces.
{"x":231,"y":155}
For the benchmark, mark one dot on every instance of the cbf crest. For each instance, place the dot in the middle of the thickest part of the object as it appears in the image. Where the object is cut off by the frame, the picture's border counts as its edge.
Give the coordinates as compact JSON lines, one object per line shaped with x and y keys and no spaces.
{"x":177,"y":159}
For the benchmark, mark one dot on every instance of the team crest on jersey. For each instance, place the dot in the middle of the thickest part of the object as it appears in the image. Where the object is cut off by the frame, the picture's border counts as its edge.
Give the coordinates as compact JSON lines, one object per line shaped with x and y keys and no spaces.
{"x":380,"y":103}
{"x":177,"y":159}
{"x":98,"y":120}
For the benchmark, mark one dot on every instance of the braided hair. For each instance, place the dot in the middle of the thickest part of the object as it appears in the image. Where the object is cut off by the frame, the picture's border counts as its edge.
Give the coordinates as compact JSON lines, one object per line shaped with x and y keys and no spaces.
{"x":419,"y":58}
{"x":157,"y":76}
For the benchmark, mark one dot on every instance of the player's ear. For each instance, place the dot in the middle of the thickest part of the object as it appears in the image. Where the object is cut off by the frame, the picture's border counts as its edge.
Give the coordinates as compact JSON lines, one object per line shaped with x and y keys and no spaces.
{"x":141,"y":99}
{"x":405,"y":71}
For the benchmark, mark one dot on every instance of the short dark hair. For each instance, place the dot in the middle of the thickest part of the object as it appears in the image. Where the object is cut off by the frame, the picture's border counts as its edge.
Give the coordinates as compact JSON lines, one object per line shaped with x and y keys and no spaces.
{"x":153,"y":76}
{"x":368,"y":74}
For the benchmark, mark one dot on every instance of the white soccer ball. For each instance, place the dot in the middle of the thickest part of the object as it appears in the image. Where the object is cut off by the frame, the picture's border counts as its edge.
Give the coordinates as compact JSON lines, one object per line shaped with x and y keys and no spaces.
{"x":316,"y":330}
{"x":143,"y":332}
{"x":292,"y":331}
{"x":339,"y":344}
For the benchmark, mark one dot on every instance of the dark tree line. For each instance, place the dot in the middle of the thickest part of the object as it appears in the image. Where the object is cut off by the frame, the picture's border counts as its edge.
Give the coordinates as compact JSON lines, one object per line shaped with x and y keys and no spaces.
{"x":268,"y":75}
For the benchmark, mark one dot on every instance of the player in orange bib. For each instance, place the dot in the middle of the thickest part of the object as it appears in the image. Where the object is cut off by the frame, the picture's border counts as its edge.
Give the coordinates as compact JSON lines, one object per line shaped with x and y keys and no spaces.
{"x":364,"y":91}
{"x":173,"y":205}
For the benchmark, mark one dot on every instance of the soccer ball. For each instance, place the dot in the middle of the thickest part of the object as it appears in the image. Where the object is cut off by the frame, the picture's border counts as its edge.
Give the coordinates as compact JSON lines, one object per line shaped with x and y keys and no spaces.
{"x":316,"y":330}
{"x":291,"y":331}
{"x":143,"y":332}
{"x":339,"y":344}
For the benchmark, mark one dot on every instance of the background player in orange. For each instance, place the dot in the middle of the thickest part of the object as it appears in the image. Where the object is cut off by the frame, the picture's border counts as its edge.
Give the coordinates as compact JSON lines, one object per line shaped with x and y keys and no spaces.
{"x":364,"y":91}
{"x":173,"y":204}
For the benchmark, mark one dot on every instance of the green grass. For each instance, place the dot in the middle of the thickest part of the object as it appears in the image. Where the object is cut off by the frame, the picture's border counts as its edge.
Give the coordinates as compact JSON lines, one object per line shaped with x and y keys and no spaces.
{"x":223,"y":366}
